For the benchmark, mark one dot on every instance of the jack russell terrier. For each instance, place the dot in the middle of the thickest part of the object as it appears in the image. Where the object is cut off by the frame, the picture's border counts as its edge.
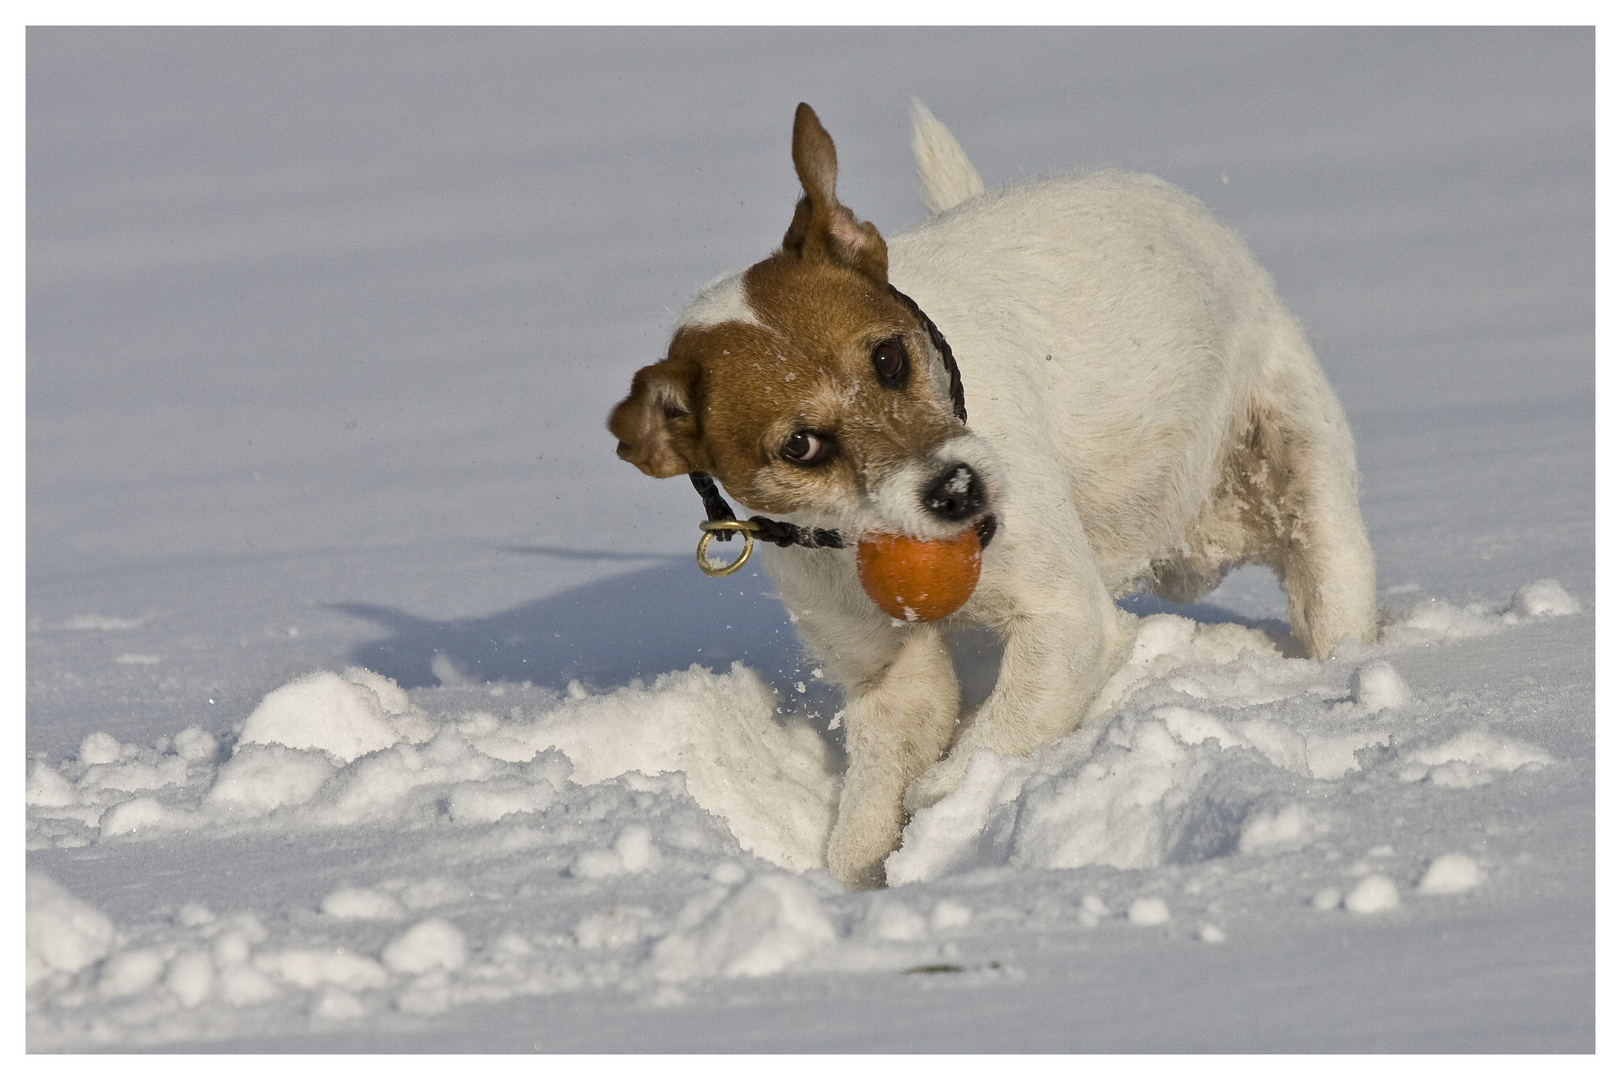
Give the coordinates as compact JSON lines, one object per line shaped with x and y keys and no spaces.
{"x":1144,"y":413}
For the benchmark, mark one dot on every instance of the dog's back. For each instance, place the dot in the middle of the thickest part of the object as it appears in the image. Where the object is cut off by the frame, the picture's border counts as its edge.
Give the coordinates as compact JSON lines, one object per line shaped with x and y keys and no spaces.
{"x":1109,"y":318}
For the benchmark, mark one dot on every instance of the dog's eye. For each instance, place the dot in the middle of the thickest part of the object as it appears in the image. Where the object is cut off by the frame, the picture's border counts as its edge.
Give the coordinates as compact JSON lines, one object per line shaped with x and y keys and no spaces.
{"x":890,"y":362}
{"x":804,"y":448}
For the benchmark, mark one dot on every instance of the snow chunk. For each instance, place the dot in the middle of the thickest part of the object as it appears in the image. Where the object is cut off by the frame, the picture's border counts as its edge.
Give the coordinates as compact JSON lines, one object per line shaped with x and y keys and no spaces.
{"x":1471,"y":759}
{"x":1148,"y":911}
{"x":1448,"y":874}
{"x":1437,"y":620}
{"x":191,"y":978}
{"x":947,"y":835}
{"x":1205,"y":657}
{"x":1372,"y":894}
{"x":243,"y":985}
{"x":337,"y":1004}
{"x":766,"y":927}
{"x":1117,"y":809}
{"x":429,"y":945}
{"x":495,"y":799}
{"x":632,"y":853}
{"x":728,"y":873}
{"x":891,"y":920}
{"x":128,"y":973}
{"x":1330,"y":756}
{"x":950,"y":915}
{"x":1194,"y":727}
{"x":767,"y":780}
{"x":264,"y":777}
{"x":193,"y":915}
{"x":1541,"y":598}
{"x":309,"y":968}
{"x":635,"y":849}
{"x":346,"y":715}
{"x":362,"y":904}
{"x":195,"y":744}
{"x":145,"y":813}
{"x":1288,"y":829}
{"x":134,"y":776}
{"x":47,"y":787}
{"x":64,"y":933}
{"x":1376,"y":686}
{"x":99,"y":748}
{"x":614,"y":927}
{"x":403,"y":716}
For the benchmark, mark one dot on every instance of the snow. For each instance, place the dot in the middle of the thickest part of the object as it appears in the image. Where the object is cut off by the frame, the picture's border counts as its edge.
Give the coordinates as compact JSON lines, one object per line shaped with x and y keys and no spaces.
{"x":1451,"y":873}
{"x":1373,"y":894}
{"x":374,"y":705}
{"x":1148,"y":911}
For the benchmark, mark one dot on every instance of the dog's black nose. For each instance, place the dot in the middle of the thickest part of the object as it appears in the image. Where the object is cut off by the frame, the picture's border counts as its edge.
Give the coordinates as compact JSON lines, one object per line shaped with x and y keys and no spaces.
{"x":956,"y":495}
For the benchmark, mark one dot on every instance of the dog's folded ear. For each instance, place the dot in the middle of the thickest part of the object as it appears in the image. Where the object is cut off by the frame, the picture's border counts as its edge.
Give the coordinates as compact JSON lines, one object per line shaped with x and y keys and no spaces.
{"x":822,"y":228}
{"x":657,"y":425}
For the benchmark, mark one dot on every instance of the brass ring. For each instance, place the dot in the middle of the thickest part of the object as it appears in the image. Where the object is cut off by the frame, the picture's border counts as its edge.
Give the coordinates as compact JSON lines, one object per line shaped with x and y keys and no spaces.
{"x":710,"y":528}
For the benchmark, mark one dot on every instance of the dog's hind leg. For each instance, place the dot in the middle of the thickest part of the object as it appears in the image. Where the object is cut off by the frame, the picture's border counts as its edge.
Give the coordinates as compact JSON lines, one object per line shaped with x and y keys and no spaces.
{"x":1322,"y":553}
{"x":896,"y":726}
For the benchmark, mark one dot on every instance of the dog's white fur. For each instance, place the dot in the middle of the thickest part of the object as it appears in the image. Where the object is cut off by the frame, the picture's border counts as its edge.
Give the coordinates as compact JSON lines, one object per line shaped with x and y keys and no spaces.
{"x":1120,"y":349}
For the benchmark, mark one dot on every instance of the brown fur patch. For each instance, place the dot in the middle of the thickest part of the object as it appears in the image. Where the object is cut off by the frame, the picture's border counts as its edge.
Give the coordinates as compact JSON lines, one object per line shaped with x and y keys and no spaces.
{"x":1248,"y":519}
{"x":730,"y":395}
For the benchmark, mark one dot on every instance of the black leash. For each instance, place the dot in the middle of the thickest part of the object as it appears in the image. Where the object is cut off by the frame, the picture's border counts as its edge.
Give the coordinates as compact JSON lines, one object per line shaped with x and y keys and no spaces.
{"x":781,"y":533}
{"x":723,"y":524}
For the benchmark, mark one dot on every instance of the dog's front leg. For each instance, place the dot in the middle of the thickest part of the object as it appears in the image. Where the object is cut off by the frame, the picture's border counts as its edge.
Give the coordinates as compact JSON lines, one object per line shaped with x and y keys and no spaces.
{"x":1064,"y":638}
{"x":896,"y":726}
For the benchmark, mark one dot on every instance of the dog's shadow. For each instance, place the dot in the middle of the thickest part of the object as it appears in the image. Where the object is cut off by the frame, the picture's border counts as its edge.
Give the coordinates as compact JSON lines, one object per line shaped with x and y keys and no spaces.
{"x":641,"y":623}
{"x":660,"y":618}
{"x":1208,"y":610}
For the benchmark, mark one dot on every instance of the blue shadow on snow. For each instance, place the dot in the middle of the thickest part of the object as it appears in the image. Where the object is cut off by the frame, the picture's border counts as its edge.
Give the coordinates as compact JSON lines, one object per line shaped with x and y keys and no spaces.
{"x":662,"y":618}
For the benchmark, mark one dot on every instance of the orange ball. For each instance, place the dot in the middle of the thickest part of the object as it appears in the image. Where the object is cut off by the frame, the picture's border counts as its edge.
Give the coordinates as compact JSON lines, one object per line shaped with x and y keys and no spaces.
{"x":918,"y":580}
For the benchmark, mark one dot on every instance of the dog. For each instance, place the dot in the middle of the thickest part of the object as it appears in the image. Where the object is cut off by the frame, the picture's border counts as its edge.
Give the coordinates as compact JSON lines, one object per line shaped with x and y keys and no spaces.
{"x":1143,"y":413}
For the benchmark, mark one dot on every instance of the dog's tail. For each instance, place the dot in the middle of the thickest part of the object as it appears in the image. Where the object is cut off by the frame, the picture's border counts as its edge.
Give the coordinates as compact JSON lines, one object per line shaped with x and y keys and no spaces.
{"x":945,"y":176}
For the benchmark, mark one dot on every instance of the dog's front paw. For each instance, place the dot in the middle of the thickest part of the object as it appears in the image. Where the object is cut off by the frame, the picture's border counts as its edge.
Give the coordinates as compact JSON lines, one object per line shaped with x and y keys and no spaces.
{"x":855,"y":859}
{"x":940,"y":780}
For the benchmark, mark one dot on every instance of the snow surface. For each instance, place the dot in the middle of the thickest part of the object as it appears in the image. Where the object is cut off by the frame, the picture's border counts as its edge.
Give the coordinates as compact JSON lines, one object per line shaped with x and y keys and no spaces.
{"x":373,"y":704}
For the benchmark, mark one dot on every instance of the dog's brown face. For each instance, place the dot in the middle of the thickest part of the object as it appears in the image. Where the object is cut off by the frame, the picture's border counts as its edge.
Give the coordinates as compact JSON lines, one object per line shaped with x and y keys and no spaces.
{"x":807,"y":389}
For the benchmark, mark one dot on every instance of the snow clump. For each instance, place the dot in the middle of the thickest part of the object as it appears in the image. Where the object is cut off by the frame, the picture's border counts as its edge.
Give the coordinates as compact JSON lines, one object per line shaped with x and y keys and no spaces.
{"x":768,"y":925}
{"x":64,"y":934}
{"x":1373,"y":894}
{"x":1376,"y":686}
{"x":1148,"y":911}
{"x":1541,"y":599}
{"x":1450,"y":874}
{"x":347,"y":716}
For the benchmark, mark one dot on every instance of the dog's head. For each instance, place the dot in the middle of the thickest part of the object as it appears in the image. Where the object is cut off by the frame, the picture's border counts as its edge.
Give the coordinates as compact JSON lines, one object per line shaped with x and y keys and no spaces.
{"x":807,"y":389}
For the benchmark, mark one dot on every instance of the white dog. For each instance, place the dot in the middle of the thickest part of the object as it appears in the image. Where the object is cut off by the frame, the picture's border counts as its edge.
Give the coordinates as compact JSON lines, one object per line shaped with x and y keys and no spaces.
{"x":1143,"y":411}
